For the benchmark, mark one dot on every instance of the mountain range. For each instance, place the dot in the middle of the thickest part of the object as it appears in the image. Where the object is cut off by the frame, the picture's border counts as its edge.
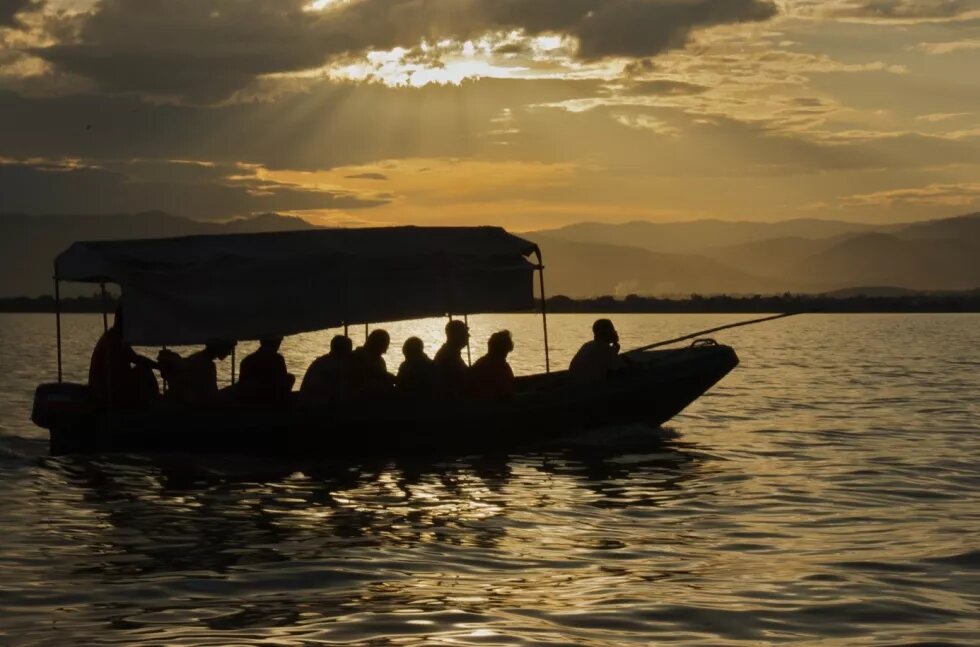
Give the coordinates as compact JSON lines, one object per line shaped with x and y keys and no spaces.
{"x":590,"y":259}
{"x":811,"y":256}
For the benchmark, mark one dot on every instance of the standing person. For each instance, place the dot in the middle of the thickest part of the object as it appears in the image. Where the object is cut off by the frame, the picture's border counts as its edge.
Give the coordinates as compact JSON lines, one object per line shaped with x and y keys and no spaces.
{"x":449,"y":362}
{"x":370,"y":372}
{"x":264,"y":378}
{"x":328,"y":377}
{"x":491,"y":376}
{"x":596,"y":358}
{"x":118,"y":375}
{"x":417,"y":374}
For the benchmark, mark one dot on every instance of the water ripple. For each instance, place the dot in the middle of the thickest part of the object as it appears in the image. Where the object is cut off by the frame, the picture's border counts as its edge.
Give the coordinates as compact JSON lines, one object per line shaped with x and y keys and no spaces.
{"x":824,"y":493}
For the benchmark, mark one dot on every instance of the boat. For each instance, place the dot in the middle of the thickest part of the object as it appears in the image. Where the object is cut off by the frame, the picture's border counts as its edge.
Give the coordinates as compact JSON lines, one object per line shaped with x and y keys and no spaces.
{"x":192,"y":290}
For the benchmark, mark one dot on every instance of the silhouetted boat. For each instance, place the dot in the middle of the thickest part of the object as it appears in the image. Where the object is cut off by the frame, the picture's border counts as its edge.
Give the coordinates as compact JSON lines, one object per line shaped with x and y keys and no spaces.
{"x":193,"y":290}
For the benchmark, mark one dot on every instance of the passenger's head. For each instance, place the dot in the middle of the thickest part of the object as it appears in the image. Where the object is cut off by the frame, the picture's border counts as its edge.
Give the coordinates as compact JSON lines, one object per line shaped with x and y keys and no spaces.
{"x":457,"y":333}
{"x":500,"y":344}
{"x":341,"y":345}
{"x":413,"y":348}
{"x":219,"y":349}
{"x":604,"y":331}
{"x":378,"y":341}
{"x":270,"y":344}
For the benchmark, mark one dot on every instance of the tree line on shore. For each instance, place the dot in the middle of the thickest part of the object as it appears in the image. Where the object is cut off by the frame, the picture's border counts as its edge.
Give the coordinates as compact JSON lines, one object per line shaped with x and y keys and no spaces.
{"x":695,"y":303}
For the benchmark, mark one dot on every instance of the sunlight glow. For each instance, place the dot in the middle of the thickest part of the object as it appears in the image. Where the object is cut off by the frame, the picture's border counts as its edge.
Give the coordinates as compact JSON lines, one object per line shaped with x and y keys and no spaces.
{"x":320,"y":5}
{"x":442,"y":63}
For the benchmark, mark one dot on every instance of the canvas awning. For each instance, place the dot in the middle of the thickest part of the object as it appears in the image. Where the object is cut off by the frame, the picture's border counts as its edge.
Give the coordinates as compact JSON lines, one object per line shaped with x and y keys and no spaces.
{"x":246,"y":286}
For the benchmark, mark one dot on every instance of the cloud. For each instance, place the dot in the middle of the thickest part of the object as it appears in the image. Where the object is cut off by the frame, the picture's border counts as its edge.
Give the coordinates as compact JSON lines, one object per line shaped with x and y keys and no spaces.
{"x":950,"y":47}
{"x":942,"y":116}
{"x":203,"y":51}
{"x":367,"y":176}
{"x":668,"y":87}
{"x":9,"y":10}
{"x":898,"y":11}
{"x":194,"y":190}
{"x":946,"y":195}
{"x":327,"y":125}
{"x":636,"y":29}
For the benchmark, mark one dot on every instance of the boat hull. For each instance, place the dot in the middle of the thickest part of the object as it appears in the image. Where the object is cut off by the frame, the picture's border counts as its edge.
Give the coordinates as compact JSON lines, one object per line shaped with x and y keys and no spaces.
{"x":655,"y":388}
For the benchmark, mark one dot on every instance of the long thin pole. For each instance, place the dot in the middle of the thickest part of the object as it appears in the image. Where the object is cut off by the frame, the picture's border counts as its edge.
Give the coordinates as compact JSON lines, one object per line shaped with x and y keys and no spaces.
{"x":57,"y":322}
{"x":544,"y":314}
{"x":711,"y":330}
{"x":166,"y":385}
{"x":469,"y":355}
{"x":105,"y":308}
{"x":233,"y":365}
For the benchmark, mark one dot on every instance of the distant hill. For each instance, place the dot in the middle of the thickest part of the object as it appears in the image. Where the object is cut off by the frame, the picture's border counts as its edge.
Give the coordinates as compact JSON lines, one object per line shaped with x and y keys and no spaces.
{"x":773,"y":257}
{"x":699,"y":235}
{"x":966,"y":228}
{"x":587,"y":269}
{"x":885,"y":259}
{"x":591,"y":259}
{"x":809,"y":255}
{"x":29,"y":244}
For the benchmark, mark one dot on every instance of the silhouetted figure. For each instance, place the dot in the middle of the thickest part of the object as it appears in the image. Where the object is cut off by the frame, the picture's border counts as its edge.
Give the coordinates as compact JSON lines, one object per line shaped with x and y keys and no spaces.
{"x":194,"y":379}
{"x":491,"y":377}
{"x":370,"y":372}
{"x":118,"y":375}
{"x":264,"y":378}
{"x":596,"y":358}
{"x":450,"y":367}
{"x":328,"y":379}
{"x":417,"y":378}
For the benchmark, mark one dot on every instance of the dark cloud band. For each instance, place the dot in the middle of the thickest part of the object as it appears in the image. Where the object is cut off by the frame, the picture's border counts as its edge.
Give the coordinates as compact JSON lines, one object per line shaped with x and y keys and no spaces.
{"x":204,"y":50}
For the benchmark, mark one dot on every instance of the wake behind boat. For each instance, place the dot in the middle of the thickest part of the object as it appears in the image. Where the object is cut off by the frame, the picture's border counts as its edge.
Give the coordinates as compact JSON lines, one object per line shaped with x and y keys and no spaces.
{"x":250,"y":286}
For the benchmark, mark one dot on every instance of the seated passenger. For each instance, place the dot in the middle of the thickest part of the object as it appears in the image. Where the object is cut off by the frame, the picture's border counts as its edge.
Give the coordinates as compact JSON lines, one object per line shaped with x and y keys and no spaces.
{"x":596,"y":358}
{"x":370,"y":372}
{"x":328,"y":377}
{"x":491,"y":376}
{"x":450,"y":367}
{"x":194,"y":379}
{"x":263,"y":375}
{"x":117,"y":375}
{"x":417,"y":374}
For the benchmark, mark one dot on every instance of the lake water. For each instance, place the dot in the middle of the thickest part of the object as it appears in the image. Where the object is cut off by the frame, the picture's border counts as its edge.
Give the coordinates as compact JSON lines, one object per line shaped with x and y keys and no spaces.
{"x":826,"y":492}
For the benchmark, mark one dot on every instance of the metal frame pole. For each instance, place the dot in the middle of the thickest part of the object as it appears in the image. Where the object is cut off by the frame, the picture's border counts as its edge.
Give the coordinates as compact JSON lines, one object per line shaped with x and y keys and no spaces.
{"x":233,"y":366}
{"x":544,"y":312}
{"x":57,"y":322}
{"x":469,"y":355}
{"x":105,"y":311}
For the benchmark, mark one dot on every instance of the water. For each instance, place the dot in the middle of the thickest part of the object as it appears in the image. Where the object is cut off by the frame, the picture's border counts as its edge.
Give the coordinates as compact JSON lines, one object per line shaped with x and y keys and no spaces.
{"x":826,"y":492}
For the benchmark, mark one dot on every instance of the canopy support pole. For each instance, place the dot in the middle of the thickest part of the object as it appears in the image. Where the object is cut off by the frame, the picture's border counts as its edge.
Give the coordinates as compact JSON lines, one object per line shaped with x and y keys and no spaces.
{"x":105,"y":308}
{"x":367,"y":332}
{"x":233,"y":366}
{"x":346,"y":330}
{"x":469,"y":355}
{"x":544,"y":312}
{"x":166,"y":385}
{"x":57,"y":322}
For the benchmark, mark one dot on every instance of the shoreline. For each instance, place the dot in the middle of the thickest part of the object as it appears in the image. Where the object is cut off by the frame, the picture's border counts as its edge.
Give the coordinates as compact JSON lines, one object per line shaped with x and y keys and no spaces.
{"x":965,"y":302}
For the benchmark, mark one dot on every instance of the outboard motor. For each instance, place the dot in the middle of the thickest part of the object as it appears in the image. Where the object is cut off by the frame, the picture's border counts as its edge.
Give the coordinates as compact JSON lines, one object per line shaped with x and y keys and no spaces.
{"x":58,"y":404}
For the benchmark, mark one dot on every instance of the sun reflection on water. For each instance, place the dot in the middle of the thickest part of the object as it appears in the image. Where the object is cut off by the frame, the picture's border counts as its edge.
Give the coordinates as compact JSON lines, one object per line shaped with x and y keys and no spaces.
{"x":800,"y":501}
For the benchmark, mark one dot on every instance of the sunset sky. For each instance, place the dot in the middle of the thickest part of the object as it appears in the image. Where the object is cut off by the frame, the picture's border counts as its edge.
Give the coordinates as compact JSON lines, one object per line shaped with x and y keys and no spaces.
{"x":523,"y":113}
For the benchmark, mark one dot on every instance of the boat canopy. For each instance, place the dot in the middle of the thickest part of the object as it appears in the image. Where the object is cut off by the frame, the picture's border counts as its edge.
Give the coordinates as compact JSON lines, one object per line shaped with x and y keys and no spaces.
{"x":198,"y":289}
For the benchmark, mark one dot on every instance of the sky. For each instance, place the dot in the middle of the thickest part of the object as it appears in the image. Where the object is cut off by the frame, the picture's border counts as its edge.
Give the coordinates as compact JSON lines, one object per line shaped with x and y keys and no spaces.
{"x":529,"y":114}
